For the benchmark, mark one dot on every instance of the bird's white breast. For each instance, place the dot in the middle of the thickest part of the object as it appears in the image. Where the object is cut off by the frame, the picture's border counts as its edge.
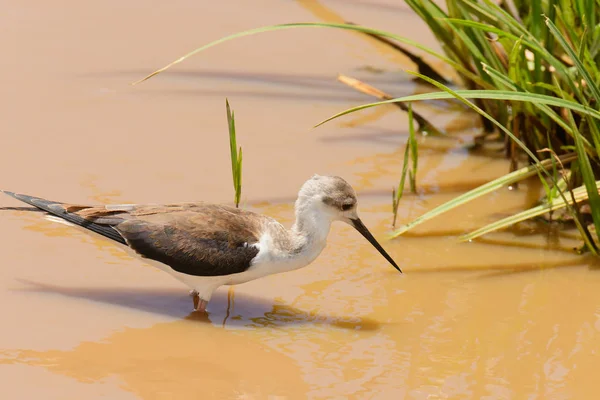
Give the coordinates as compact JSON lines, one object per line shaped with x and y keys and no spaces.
{"x":272,"y":259}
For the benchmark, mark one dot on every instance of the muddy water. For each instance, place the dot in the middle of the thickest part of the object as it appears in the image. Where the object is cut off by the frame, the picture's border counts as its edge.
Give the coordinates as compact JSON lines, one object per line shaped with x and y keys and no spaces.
{"x":510,"y":316}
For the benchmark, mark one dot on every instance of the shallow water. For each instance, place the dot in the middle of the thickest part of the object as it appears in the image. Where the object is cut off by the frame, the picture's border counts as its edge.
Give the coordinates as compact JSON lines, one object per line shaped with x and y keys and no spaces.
{"x":508,"y":316}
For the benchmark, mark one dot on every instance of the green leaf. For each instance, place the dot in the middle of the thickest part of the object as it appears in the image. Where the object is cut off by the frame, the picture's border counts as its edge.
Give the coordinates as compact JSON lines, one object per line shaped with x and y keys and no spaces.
{"x":506,"y":81}
{"x":578,"y":63}
{"x":414,"y":152}
{"x":533,"y":44}
{"x":580,"y":194}
{"x":236,"y":159}
{"x":398,"y":193}
{"x":489,"y":187}
{"x":500,"y":78}
{"x":409,"y":151}
{"x":349,"y":27}
{"x":588,"y":176}
{"x":238,"y":185}
{"x":536,"y":30}
{"x":478,"y":94}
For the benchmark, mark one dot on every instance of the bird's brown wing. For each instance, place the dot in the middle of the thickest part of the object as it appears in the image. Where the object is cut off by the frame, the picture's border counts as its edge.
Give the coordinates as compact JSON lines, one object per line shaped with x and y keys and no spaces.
{"x":198,"y":239}
{"x":194,"y":239}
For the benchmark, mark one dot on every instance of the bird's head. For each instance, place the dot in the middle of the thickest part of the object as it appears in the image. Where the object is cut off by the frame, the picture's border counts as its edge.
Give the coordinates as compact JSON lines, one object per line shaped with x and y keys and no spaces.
{"x":335,"y":199}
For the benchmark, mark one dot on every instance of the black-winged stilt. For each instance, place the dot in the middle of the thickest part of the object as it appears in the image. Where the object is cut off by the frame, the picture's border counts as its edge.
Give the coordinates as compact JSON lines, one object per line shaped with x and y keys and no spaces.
{"x":210,"y":245}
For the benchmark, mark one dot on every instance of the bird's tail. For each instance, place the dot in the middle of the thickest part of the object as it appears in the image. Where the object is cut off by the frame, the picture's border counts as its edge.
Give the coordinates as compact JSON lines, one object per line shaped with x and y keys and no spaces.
{"x":41,"y":204}
{"x":56,"y":208}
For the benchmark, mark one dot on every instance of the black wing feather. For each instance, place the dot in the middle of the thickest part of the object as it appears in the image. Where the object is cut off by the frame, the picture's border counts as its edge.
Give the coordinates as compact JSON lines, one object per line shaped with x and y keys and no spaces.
{"x":185,"y":252}
{"x":47,"y":205}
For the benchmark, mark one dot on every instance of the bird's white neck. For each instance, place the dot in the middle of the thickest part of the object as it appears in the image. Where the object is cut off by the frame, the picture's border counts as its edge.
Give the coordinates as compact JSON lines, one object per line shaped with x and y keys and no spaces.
{"x":309,"y":232}
{"x":286,"y":250}
{"x":311,"y":222}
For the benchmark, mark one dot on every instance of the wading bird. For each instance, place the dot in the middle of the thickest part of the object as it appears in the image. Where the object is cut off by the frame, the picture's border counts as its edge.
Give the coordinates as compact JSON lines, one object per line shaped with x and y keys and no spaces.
{"x":210,"y":245}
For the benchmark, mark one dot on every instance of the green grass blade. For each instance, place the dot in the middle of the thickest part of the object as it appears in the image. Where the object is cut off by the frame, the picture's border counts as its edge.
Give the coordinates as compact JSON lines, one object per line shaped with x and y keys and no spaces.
{"x":500,"y":78}
{"x":400,"y":191}
{"x":432,"y":15}
{"x":576,"y":60}
{"x":236,"y":159}
{"x":479,"y":94}
{"x":487,"y":28}
{"x":548,"y":38}
{"x":476,"y":41}
{"x":349,"y":27}
{"x":536,"y":31}
{"x":480,"y":112}
{"x":232,"y":138}
{"x":502,"y":17}
{"x":408,"y":153}
{"x":587,"y":174}
{"x":412,"y":141}
{"x":580,"y":194}
{"x":489,"y":187}
{"x":533,"y":44}
{"x":238,"y":183}
{"x":504,"y":80}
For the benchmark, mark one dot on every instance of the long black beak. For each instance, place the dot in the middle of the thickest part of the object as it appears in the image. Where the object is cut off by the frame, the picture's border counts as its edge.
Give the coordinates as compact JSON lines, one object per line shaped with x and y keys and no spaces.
{"x":357,"y":223}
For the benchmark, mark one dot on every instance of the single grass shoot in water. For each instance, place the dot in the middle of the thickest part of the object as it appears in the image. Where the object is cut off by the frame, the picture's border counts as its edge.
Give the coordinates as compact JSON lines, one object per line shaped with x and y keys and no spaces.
{"x":236,"y":156}
{"x":410,"y":152}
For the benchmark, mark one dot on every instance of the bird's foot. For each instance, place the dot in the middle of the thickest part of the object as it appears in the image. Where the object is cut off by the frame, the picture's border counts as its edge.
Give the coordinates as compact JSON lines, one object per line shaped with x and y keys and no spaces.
{"x":199,"y":304}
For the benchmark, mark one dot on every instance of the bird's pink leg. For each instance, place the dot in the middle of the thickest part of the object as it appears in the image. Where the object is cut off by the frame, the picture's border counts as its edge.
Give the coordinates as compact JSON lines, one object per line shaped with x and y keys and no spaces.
{"x":199,"y":304}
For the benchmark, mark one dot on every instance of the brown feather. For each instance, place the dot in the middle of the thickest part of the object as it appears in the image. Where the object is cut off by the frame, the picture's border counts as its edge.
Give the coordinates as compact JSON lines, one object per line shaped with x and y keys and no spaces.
{"x":73,"y":208}
{"x":194,"y":238}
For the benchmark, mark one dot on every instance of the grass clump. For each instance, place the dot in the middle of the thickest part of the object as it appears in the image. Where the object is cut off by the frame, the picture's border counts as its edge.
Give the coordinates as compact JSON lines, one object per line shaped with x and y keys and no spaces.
{"x":548,"y":50}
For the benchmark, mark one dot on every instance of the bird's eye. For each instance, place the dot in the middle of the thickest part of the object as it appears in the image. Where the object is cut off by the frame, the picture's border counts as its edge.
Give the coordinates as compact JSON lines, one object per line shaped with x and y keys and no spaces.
{"x":347,"y":207}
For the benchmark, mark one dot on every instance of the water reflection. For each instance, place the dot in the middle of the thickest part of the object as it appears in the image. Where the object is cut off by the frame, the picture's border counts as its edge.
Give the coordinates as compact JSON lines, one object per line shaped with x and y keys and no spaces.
{"x":174,"y":360}
{"x":49,"y":227}
{"x":251,"y":311}
{"x":283,"y":314}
